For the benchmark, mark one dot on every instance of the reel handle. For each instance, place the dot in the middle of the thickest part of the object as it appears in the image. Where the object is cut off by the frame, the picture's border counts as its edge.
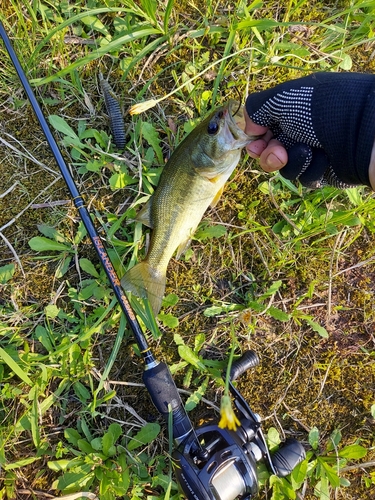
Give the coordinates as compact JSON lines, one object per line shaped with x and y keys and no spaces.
{"x":248,"y":360}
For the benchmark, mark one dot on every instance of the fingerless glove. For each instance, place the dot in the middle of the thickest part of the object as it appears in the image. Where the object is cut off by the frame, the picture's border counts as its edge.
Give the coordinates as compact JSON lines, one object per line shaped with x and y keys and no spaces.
{"x":326,"y":122}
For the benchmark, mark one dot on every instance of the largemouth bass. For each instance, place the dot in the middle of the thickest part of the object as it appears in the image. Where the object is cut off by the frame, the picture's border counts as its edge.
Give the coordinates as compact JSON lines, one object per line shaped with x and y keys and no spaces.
{"x":192,"y":180}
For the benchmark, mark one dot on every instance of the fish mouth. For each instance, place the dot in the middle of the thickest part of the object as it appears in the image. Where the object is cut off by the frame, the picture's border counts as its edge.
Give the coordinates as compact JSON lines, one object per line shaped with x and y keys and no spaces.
{"x":236,"y":122}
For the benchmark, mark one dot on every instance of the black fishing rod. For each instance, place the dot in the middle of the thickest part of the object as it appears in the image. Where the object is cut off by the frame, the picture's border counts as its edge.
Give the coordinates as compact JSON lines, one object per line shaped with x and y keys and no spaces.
{"x":156,"y":376}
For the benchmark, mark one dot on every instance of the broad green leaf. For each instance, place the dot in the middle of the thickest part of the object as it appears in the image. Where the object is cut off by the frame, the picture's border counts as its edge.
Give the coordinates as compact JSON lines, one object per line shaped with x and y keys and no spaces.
{"x":346,"y":63}
{"x":199,"y":340}
{"x":178,"y":340}
{"x":314,"y":438}
{"x":87,"y":291}
{"x":170,"y":300}
{"x":345,"y":483}
{"x":6,"y":273}
{"x":188,"y":376}
{"x":321,"y":489}
{"x":151,"y":135}
{"x":121,"y":180}
{"x":272,"y":289}
{"x":346,"y":218}
{"x":77,"y":479}
{"x":213,"y":311}
{"x":82,"y":392}
{"x":205,"y":232}
{"x":168,"y":320}
{"x":94,"y":23}
{"x":41,"y":244}
{"x":146,"y":435}
{"x":299,"y":474}
{"x":334,"y":440}
{"x":354,"y":196}
{"x":353,"y":452}
{"x":58,"y":465}
{"x":162,"y":480}
{"x":281,"y":489}
{"x":317,"y":328}
{"x":72,"y":436}
{"x":84,"y":446}
{"x":278,"y":314}
{"x":109,"y":439}
{"x":373,"y":411}
{"x":332,"y":476}
{"x":63,"y":266}
{"x":13,"y":365}
{"x":273,"y":438}
{"x":89,"y":268}
{"x":80,"y":234}
{"x":43,"y":336}
{"x":51,"y":233}
{"x":21,"y":463}
{"x":115,"y":430}
{"x":196,"y":397}
{"x":256,"y":306}
{"x":125,"y":475}
{"x":62,"y":126}
{"x":188,"y":355}
{"x":52,"y":311}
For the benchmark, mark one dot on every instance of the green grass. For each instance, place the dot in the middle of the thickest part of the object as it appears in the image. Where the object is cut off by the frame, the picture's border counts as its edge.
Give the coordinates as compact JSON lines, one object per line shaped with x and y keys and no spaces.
{"x":291,"y":270}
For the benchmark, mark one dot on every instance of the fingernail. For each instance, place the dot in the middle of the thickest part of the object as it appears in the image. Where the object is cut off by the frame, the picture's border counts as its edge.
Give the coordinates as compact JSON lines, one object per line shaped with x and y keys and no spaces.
{"x":274,"y":162}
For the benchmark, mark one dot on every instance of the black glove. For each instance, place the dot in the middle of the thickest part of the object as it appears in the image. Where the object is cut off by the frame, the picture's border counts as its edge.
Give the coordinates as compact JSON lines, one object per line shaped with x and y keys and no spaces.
{"x":326,"y":121}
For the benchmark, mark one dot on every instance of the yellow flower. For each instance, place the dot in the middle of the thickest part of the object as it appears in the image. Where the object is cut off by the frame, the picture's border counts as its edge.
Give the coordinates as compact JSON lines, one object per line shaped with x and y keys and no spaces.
{"x":228,"y":418}
{"x":142,"y":106}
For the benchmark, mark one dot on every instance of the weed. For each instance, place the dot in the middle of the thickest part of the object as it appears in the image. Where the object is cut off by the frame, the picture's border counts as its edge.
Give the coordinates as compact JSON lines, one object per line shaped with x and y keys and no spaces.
{"x":321,"y":468}
{"x":291,"y":269}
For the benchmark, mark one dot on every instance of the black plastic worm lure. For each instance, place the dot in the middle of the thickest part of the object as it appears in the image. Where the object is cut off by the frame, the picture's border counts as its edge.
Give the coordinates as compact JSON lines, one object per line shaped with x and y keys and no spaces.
{"x":116,"y":120}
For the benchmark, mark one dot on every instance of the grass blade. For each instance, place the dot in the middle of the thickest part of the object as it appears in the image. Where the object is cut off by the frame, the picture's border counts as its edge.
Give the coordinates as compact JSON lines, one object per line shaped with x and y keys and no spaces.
{"x":15,"y":367}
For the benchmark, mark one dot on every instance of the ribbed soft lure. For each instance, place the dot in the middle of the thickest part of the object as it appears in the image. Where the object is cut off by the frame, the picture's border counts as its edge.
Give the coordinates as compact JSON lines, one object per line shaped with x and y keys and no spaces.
{"x":116,"y":120}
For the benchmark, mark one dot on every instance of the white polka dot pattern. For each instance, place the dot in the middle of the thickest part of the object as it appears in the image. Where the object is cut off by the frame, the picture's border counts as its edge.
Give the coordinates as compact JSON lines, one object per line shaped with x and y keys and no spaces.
{"x":289,"y":114}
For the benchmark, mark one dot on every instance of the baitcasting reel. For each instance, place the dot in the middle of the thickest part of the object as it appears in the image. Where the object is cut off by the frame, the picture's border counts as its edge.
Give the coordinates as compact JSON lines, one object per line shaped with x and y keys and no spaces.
{"x":218,"y":464}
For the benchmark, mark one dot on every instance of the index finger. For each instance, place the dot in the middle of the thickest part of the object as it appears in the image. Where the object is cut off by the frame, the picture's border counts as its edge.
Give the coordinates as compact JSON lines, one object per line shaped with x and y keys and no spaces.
{"x":252,"y":128}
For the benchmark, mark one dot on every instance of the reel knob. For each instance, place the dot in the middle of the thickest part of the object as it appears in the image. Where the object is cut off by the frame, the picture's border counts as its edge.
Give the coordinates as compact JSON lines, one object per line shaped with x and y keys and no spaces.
{"x":248,"y":360}
{"x":289,"y":455}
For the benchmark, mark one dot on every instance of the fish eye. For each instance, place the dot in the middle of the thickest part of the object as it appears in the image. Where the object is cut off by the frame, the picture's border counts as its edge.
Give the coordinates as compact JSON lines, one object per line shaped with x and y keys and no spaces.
{"x":212,"y":128}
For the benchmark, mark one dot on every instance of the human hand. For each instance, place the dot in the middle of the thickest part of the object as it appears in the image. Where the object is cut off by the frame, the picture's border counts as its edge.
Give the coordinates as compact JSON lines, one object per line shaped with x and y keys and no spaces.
{"x":272,"y":153}
{"x":319,"y":129}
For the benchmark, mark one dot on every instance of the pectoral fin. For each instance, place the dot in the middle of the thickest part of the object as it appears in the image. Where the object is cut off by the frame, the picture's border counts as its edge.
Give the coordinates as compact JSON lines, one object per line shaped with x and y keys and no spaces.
{"x":182,"y":247}
{"x":144,"y":215}
{"x":217,"y":197}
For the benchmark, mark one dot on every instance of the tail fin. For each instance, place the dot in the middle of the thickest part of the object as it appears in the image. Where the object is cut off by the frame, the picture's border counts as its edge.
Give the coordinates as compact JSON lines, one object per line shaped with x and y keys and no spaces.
{"x":146,"y":282}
